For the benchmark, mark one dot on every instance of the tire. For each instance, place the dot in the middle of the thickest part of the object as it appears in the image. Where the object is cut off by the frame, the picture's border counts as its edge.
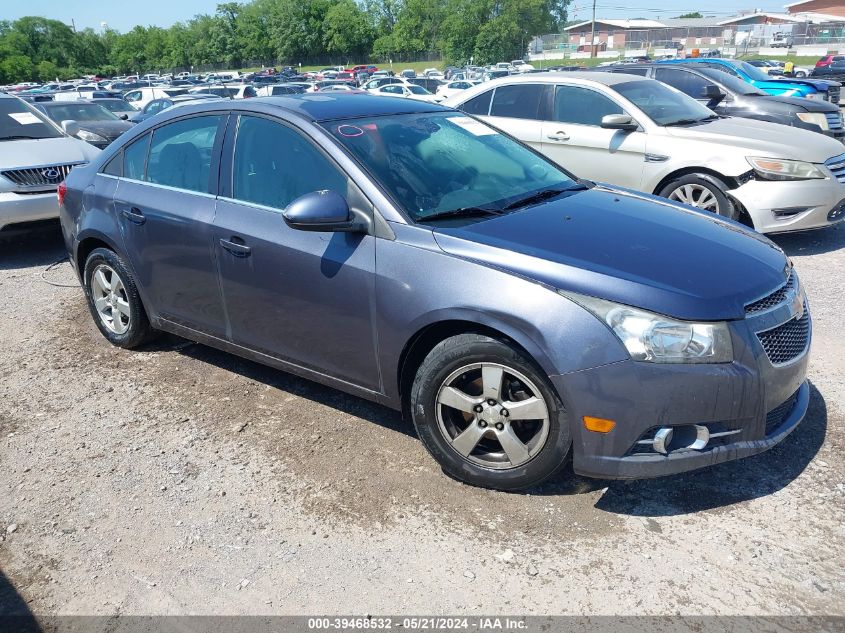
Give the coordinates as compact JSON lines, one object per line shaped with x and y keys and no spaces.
{"x":800,"y":74}
{"x":114,"y":301}
{"x":693,"y":189}
{"x":463,"y":370}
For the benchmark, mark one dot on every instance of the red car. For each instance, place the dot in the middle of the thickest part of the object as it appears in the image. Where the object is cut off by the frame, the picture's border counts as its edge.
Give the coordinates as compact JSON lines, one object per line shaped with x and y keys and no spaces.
{"x":827,"y":60}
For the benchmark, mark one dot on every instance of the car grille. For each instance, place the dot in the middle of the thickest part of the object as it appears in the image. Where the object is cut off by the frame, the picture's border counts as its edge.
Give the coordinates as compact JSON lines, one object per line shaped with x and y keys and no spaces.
{"x":777,"y":297}
{"x":837,"y":166}
{"x":788,"y":341}
{"x":834,"y":120}
{"x":780,"y":413}
{"x":46,"y":177}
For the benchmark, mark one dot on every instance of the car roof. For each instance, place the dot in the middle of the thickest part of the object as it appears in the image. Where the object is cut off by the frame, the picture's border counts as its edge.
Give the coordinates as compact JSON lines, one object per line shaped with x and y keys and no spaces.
{"x":326,"y":106}
{"x":601,"y":77}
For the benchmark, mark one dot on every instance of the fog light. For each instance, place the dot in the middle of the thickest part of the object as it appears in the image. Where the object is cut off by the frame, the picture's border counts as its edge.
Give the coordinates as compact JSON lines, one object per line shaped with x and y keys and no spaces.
{"x":789,"y":212}
{"x":598,"y":425}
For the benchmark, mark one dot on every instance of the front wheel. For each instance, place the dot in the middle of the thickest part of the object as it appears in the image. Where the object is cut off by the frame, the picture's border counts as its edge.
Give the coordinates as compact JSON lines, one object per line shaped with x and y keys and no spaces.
{"x":702,"y":191}
{"x":488,"y":415}
{"x":800,"y":74}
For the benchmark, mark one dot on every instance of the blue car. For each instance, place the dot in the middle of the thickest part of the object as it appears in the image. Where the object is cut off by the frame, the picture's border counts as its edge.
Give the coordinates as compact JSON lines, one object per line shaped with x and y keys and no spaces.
{"x":412,"y":255}
{"x":808,"y":88}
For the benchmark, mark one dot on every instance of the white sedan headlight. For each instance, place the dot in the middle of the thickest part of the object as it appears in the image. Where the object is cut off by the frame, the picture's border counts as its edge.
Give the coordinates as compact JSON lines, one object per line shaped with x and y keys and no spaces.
{"x":91,"y":137}
{"x":778,"y":169}
{"x":655,"y":338}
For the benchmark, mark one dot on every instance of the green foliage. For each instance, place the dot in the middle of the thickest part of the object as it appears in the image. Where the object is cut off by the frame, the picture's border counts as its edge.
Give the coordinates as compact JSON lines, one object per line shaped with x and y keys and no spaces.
{"x":687,"y":16}
{"x":282,"y":31}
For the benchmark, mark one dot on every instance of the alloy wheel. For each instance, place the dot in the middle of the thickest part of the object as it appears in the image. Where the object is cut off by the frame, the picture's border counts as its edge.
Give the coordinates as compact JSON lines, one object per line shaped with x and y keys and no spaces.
{"x":696,"y":196}
{"x":492,"y":415}
{"x":110,"y":299}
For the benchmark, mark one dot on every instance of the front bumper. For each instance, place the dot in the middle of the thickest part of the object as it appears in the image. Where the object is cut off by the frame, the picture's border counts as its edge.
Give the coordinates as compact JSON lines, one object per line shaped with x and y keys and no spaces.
{"x":777,"y":207}
{"x":752,"y":402}
{"x":16,"y":208}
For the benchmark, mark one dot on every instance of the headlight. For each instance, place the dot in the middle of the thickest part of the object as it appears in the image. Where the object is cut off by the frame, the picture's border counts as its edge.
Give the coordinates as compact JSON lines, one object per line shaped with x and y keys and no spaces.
{"x":91,"y":137}
{"x":813,"y":95}
{"x":814,"y":118}
{"x":658,"y":339}
{"x":777,"y":169}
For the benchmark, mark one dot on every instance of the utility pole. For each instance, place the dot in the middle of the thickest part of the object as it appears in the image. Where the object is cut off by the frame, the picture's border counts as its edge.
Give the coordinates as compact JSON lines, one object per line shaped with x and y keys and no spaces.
{"x":593,"y":32}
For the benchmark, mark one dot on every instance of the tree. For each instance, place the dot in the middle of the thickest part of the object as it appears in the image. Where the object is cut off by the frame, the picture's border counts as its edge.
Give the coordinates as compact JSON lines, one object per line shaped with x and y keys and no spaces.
{"x":15,"y":69}
{"x":47,"y":71}
{"x":347,"y":30}
{"x":685,"y":16}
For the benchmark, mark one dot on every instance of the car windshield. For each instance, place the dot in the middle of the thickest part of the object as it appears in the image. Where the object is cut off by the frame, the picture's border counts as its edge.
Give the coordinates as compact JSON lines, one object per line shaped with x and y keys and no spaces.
{"x":418,"y":90}
{"x":116,"y":105}
{"x":443,"y":162}
{"x":79,"y":112}
{"x":752,"y":71}
{"x":19,"y":121}
{"x":663,"y":104}
{"x":734,"y":84}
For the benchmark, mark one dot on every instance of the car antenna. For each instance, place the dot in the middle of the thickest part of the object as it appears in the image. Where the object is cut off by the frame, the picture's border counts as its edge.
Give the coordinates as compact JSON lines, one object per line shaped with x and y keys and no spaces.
{"x":223,"y":82}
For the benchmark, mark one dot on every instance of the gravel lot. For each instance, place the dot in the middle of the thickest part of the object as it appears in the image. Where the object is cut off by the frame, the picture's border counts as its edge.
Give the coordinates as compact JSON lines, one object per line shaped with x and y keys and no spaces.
{"x":180,"y":479}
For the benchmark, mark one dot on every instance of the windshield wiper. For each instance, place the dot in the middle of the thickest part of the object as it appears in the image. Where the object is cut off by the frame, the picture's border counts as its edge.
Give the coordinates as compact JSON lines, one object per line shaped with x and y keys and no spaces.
{"x":463,"y":212}
{"x":691,"y":121}
{"x":545,"y":194}
{"x":20,"y":137}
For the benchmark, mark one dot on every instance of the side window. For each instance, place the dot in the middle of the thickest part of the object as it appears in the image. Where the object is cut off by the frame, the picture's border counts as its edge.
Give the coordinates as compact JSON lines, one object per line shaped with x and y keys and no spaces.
{"x":725,"y":69}
{"x":520,"y":101}
{"x":397,"y":90}
{"x":135,"y":158}
{"x":115,"y":166}
{"x":478,"y":105}
{"x":249,"y":91}
{"x":180,"y":153}
{"x":687,"y":82}
{"x":133,"y":96}
{"x":274,"y":165}
{"x":582,"y":106}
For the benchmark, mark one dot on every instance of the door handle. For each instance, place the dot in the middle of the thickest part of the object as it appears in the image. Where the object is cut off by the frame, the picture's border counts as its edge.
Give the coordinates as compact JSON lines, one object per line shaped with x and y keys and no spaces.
{"x":237,"y":248}
{"x":558,"y":136}
{"x":134,"y":215}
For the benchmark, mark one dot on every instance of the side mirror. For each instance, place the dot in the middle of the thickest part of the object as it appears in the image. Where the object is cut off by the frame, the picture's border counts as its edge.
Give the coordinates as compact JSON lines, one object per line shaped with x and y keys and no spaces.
{"x":320,"y":211}
{"x":70,"y":127}
{"x":124,"y":116}
{"x":619,"y":122}
{"x":713,"y":94}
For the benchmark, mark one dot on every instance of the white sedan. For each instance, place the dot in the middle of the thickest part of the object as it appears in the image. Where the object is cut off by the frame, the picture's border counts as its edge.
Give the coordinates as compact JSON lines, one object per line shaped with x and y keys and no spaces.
{"x":454,"y":87}
{"x":409,"y":91}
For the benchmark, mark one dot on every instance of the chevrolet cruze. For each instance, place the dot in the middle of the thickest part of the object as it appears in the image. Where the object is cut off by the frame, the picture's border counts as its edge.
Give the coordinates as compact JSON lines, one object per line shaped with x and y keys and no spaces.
{"x":410,"y":254}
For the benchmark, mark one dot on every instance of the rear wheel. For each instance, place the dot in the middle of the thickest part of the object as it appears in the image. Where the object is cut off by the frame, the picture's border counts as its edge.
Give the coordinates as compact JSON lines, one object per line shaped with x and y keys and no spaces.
{"x":487,"y":414}
{"x":114,"y":300}
{"x":703,"y":191}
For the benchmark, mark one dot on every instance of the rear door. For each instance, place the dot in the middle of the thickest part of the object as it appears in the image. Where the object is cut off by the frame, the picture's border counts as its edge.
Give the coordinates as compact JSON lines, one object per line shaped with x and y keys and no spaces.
{"x":574,"y":138}
{"x":519,"y":109}
{"x":165,"y":203}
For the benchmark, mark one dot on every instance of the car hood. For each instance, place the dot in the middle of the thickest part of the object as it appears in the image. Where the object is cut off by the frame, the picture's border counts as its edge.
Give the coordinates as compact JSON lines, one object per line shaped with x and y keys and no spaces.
{"x":108,"y":129}
{"x":808,"y":105}
{"x":48,"y":151}
{"x":763,"y":138}
{"x":820,"y":85}
{"x":630,"y":248}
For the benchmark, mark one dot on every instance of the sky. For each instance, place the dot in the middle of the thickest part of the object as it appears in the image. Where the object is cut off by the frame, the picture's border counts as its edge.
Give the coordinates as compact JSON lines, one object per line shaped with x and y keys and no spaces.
{"x":123,"y":15}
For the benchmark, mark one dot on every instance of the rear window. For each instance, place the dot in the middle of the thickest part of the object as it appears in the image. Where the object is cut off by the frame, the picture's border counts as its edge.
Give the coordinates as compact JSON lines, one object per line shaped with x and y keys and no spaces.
{"x":479,"y":105}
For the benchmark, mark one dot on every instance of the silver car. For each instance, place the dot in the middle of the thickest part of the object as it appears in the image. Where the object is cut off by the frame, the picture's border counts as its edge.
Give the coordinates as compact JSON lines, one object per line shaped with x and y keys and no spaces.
{"x":35,"y":156}
{"x":639,"y":133}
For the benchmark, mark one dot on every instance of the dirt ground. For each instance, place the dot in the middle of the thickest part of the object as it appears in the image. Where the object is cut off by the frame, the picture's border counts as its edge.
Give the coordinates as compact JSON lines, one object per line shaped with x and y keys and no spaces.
{"x":182,"y":480}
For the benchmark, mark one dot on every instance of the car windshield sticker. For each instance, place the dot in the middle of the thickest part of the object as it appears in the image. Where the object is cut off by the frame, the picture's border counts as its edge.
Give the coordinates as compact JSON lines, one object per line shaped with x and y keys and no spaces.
{"x":24,"y":118}
{"x":472,"y":126}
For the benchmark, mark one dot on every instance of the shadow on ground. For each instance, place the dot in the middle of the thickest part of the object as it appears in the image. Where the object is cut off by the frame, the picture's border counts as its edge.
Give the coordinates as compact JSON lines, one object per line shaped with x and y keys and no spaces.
{"x":37,"y":247}
{"x":812,"y":242}
{"x":14,"y":611}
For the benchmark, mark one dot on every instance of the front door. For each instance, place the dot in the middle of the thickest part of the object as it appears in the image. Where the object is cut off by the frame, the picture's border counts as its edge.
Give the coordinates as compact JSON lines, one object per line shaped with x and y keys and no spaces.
{"x":307,"y":298}
{"x":165,"y":209}
{"x":574,"y":138}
